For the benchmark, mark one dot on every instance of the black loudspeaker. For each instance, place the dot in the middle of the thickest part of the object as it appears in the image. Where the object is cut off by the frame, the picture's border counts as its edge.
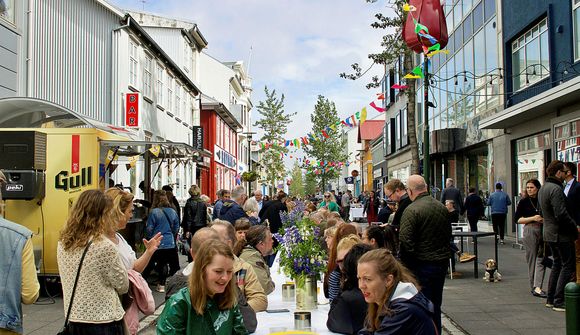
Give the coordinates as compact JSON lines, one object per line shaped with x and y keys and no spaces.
{"x":23,"y":185}
{"x":22,"y":150}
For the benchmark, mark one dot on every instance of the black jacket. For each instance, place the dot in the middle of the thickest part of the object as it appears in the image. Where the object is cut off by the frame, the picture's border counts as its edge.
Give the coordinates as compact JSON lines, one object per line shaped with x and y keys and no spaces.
{"x":452,"y":193}
{"x":411,"y":313}
{"x":271,"y":212}
{"x":376,"y":204}
{"x":573,"y":201}
{"x":347,"y":312}
{"x":474,"y":206}
{"x":384,"y":214}
{"x":403,"y":204}
{"x":194,"y":214}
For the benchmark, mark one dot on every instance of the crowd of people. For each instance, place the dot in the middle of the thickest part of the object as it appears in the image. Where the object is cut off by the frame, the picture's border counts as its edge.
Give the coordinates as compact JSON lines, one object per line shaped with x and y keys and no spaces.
{"x":385,"y":279}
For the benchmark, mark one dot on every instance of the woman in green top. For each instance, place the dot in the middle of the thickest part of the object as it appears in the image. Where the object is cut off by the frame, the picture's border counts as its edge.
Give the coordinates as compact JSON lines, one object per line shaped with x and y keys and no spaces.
{"x":329,"y":203}
{"x":208,"y":305}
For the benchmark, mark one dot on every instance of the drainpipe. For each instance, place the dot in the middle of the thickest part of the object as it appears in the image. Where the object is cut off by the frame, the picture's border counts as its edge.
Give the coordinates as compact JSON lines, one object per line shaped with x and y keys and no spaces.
{"x":29,"y":28}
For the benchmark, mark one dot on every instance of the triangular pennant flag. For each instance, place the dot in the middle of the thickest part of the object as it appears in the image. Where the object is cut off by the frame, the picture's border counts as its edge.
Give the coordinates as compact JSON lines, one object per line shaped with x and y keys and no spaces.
{"x":419,"y":27}
{"x":411,"y":76}
{"x":380,"y":96}
{"x":344,"y":123}
{"x":399,"y":87}
{"x":409,"y":8}
{"x":347,"y":121}
{"x":433,"y":53}
{"x":357,"y":114}
{"x":110,"y":157}
{"x":353,"y":120}
{"x":380,"y":109}
{"x":155,"y":150}
{"x":333,"y":126}
{"x":133,"y":160}
{"x":434,"y":47}
{"x":363,"y":116}
{"x":325,"y":134}
{"x":128,"y":166}
{"x":418,"y":71}
{"x":431,"y":39}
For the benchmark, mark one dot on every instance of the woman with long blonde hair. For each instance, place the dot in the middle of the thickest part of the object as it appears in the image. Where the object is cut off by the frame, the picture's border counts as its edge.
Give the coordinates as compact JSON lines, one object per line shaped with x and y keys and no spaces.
{"x":121,"y":213}
{"x":208,"y":305}
{"x":395,"y":304}
{"x":96,"y":307}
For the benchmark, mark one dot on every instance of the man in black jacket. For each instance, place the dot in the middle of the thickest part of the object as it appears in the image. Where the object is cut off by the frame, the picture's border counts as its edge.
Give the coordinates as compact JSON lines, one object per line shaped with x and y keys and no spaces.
{"x":474,"y":208}
{"x":395,"y":191}
{"x":572,"y":191}
{"x":450,"y":192}
{"x":560,"y":232}
{"x":271,"y":212}
{"x":424,"y":242}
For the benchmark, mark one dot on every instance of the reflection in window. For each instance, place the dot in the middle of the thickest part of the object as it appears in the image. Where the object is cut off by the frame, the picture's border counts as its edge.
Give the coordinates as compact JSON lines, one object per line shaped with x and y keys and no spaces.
{"x":530,"y":55}
{"x":490,"y":46}
{"x":7,"y":10}
{"x":478,"y":16}
{"x":489,"y":9}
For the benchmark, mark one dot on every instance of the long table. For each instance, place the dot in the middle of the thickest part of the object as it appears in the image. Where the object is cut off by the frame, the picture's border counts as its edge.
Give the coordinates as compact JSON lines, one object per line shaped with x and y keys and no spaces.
{"x":475,"y":236}
{"x":277,"y":322}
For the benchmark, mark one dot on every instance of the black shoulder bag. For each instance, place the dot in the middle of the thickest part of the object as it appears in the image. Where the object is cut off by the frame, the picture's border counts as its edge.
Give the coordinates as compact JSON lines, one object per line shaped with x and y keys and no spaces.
{"x":66,"y":329}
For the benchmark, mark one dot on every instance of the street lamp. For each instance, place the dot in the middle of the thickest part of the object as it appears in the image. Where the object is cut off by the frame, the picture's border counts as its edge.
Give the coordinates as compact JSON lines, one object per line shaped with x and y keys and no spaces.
{"x":249,"y":138}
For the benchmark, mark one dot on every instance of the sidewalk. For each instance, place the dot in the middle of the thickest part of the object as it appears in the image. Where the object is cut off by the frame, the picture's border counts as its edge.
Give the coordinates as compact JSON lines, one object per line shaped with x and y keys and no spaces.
{"x":507,"y":307}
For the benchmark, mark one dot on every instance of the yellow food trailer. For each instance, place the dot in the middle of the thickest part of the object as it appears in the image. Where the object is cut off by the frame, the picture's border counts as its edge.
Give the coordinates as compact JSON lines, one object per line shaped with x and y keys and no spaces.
{"x":49,"y":156}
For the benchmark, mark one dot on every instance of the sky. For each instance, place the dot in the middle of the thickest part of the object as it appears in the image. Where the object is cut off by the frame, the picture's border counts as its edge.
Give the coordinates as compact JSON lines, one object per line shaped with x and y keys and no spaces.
{"x":298,"y":47}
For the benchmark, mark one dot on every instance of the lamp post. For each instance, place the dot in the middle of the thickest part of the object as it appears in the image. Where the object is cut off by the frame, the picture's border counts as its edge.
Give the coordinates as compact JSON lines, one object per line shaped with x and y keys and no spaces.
{"x":362,"y":173}
{"x":249,"y":138}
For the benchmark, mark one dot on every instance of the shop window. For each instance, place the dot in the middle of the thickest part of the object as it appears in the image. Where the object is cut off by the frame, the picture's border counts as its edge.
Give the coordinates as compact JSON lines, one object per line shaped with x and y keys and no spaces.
{"x":404,"y":133}
{"x":530,"y":56}
{"x":576,"y":20}
{"x":7,"y":10}
{"x":170,"y":93}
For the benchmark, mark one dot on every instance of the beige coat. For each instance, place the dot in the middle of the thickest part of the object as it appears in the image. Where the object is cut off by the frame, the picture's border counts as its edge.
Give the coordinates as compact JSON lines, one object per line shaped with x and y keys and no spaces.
{"x":250,"y":285}
{"x":254,"y":257}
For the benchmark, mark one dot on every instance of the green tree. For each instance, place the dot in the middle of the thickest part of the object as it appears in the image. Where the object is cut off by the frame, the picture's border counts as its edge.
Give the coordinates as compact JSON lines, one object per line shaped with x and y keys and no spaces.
{"x":274,"y":123}
{"x":394,"y":48}
{"x":310,"y":183}
{"x":297,"y":185}
{"x":326,"y":149}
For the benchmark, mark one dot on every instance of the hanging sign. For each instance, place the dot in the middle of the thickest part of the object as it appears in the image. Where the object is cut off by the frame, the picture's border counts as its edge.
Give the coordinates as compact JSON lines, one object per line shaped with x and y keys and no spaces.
{"x":224,"y":158}
{"x":132,"y":110}
{"x":197,"y":137}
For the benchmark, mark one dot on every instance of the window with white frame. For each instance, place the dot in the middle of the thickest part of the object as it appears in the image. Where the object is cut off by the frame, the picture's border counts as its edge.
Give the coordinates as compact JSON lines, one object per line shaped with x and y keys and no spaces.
{"x":160,"y":77}
{"x":170,"y":93}
{"x":133,"y":62}
{"x":7,"y":10}
{"x":187,"y":55}
{"x":530,"y":56}
{"x":148,"y":76}
{"x":178,"y":100}
{"x":184,"y":103}
{"x":576,"y":20}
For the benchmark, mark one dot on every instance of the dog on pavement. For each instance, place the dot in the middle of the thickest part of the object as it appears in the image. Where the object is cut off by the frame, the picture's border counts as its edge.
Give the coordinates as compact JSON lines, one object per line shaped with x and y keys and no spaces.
{"x":491,"y":273}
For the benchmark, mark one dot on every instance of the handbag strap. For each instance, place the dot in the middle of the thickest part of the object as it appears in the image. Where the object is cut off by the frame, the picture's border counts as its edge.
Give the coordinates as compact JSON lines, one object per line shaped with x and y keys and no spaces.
{"x":76,"y":281}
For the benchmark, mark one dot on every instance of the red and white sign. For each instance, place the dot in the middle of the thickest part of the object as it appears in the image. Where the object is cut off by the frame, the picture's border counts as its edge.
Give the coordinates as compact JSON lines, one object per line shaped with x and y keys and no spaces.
{"x":132,"y":110}
{"x":75,"y":154}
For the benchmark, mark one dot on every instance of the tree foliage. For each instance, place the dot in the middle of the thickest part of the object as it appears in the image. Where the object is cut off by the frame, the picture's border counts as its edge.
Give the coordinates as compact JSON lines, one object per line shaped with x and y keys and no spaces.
{"x":331,"y":149}
{"x":297,"y":185}
{"x":274,"y":123}
{"x":310,"y":183}
{"x":394,"y":48}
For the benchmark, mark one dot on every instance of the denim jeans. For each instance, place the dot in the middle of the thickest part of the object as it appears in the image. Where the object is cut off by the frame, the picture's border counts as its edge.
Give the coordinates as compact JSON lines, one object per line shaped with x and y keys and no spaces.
{"x":111,"y":328}
{"x":431,"y":277}
{"x":563,"y":270}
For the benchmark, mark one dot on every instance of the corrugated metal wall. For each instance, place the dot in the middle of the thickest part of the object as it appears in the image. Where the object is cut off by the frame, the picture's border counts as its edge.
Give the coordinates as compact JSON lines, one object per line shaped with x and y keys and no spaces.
{"x":71,"y":56}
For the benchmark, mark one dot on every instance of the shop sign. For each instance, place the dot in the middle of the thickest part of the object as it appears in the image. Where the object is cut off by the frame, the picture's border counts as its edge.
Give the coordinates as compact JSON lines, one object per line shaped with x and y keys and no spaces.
{"x":132,"y":110}
{"x":197,"y":137}
{"x":224,"y":158}
{"x":569,"y":155}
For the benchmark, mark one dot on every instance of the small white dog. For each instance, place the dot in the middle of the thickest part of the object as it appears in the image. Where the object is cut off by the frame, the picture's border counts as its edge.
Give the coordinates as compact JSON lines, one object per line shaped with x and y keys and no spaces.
{"x":491,"y":273}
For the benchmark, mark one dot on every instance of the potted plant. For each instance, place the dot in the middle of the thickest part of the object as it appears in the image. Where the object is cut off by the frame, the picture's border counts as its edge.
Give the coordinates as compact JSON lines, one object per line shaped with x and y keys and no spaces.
{"x":301,"y":256}
{"x":250,"y":176}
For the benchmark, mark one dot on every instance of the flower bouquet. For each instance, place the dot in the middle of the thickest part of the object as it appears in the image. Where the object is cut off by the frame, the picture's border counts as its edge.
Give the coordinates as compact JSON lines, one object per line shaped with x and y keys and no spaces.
{"x":302,"y":258}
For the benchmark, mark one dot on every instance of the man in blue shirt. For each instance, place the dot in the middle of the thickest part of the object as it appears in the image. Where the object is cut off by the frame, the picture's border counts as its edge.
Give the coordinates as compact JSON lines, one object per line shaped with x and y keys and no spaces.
{"x":499,"y":202}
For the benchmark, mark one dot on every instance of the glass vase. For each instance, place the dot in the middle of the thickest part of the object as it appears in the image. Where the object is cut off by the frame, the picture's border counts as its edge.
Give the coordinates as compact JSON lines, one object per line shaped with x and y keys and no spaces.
{"x":306,"y":293}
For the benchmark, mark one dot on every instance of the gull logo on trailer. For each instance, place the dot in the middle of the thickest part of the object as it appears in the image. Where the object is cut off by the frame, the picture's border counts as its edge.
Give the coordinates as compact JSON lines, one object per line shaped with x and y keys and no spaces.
{"x":65,"y":182}
{"x":77,"y":177}
{"x":14,"y":188}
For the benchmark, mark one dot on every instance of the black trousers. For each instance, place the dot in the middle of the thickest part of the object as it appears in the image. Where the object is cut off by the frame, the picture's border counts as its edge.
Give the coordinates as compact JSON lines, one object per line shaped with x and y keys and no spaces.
{"x":111,"y":328}
{"x":562,"y":270}
{"x":498,"y":221}
{"x":473,"y":222}
{"x":162,"y":258}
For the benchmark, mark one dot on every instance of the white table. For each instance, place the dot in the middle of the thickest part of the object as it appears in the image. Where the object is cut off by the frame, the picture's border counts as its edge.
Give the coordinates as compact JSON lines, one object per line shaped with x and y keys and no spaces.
{"x":271,"y":322}
{"x":356,"y":213}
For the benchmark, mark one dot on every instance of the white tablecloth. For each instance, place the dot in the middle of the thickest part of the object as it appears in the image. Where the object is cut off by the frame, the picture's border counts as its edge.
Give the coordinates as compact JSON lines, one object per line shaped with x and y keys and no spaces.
{"x":356,"y":213}
{"x":276,"y":322}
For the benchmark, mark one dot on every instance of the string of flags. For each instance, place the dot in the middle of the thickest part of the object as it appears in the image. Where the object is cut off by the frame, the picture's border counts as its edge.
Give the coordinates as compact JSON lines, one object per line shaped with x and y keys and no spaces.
{"x":155,"y":150}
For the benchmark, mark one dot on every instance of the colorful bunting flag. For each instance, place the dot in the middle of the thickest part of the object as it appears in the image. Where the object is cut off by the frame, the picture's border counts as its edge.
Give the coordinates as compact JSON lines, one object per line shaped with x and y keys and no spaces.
{"x":380,"y":109}
{"x":409,"y":8}
{"x":155,"y":150}
{"x":399,"y":87}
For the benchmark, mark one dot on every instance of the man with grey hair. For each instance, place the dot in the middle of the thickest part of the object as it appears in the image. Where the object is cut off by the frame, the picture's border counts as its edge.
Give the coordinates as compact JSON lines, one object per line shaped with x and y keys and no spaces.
{"x":258,"y":196}
{"x":19,"y":271}
{"x":450,"y":192}
{"x":424,"y":242}
{"x":232,"y":209}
